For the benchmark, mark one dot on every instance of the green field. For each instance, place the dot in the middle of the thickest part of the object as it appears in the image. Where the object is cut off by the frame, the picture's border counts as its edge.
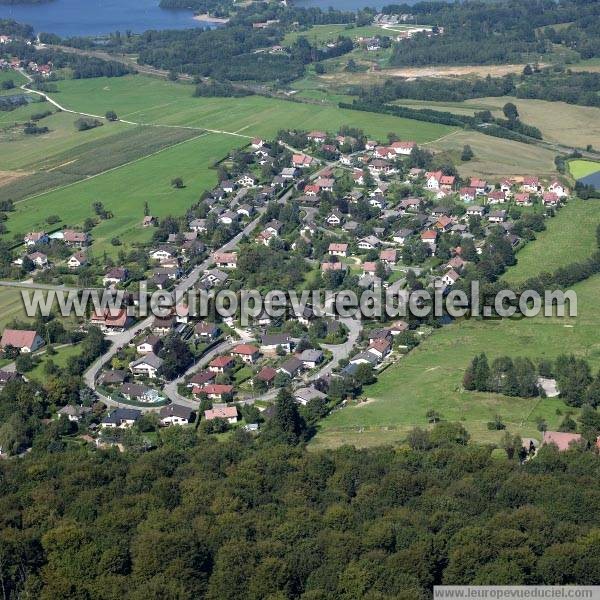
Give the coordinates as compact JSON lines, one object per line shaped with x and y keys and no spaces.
{"x":124,"y":190}
{"x":431,"y":375}
{"x":582,"y":168}
{"x":569,"y":237}
{"x":63,"y":353}
{"x":146,"y":100}
{"x":11,"y":306}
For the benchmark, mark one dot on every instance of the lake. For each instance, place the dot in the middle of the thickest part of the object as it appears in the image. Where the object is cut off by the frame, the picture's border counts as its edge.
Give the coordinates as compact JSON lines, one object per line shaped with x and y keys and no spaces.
{"x":96,"y":17}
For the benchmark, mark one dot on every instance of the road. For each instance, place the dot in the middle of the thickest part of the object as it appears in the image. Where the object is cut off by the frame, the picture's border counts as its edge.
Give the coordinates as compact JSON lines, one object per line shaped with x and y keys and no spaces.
{"x":122,"y":339}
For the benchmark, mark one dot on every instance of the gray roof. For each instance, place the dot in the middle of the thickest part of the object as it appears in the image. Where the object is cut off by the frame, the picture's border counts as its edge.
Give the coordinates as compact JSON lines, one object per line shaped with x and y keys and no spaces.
{"x":122,"y":414}
{"x":291,"y":365}
{"x":150,"y":359}
{"x":309,"y":393}
{"x":176,"y":410}
{"x":311,"y":355}
{"x":275,"y":339}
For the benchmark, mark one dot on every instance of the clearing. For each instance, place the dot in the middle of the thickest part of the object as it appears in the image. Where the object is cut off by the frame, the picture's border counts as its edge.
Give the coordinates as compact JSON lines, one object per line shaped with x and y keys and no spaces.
{"x":582,"y":168}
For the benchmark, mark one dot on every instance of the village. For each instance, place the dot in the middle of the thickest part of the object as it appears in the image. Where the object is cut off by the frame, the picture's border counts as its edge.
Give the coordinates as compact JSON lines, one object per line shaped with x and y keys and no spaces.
{"x":338,"y":211}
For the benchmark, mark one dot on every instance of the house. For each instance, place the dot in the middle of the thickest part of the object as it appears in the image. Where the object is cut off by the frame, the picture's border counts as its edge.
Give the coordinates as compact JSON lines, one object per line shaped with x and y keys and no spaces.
{"x":257,"y":143}
{"x":146,"y":366}
{"x":379,"y":166}
{"x":163,"y":325}
{"x":23,"y":339}
{"x":76,"y":239}
{"x":369,"y":268}
{"x":378,"y":201}
{"x":201,"y":378}
{"x":149,"y":221}
{"x":561,"y":439}
{"x":271,"y":342}
{"x":333,"y":266}
{"x":163,"y":254}
{"x":401,"y":235}
{"x":558,"y":188}
{"x":523,"y":199}
{"x":74,"y":413}
{"x":403,"y":147}
{"x":247,"y":352}
{"x":411,"y":204}
{"x":496,"y":197}
{"x":121,"y":418}
{"x":113,"y":377}
{"x":267,"y":375}
{"x":467,"y":194}
{"x":497,"y":216}
{"x":475,"y":211}
{"x":36,"y":237}
{"x":479,"y":185}
{"x":370,"y":242}
{"x":39,"y":259}
{"x":368,"y":358}
{"x":338,"y":249}
{"x":325,"y":184}
{"x":245,"y":210}
{"x":450,"y":277}
{"x":398,"y":327}
{"x":388,"y":256}
{"x":380,"y":347}
{"x":149,"y":344}
{"x":221,"y":363}
{"x":225,"y":260}
{"x":228,"y":217}
{"x":311,"y":191}
{"x":334,"y":219}
{"x":432,"y":180}
{"x":456,"y":263}
{"x":246,"y":180}
{"x":305,"y":395}
{"x":311,"y":358}
{"x":198,"y":225}
{"x":227,"y":186}
{"x":114,"y":276}
{"x":531,"y":184}
{"x":429,"y":237}
{"x":289,"y":172}
{"x":213,"y":278}
{"x":550,"y":199}
{"x":229,"y":413}
{"x":206,"y":331}
{"x":318,"y":137}
{"x":302,"y":161}
{"x":291,"y":367}
{"x":139,"y":392}
{"x":175,"y":414}
{"x":444,"y":223}
{"x":358,"y":177}
{"x":77,"y":260}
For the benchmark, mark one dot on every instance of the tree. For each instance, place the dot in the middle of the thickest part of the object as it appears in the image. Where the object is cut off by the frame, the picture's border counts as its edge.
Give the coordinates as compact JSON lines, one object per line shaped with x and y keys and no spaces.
{"x":467,"y":153}
{"x":177,"y":183}
{"x":286,"y":425}
{"x":510,"y":111}
{"x":111,"y":115}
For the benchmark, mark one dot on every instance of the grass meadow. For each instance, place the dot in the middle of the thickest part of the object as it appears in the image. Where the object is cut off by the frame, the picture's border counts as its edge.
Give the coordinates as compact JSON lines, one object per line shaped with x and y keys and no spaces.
{"x":582,"y":168}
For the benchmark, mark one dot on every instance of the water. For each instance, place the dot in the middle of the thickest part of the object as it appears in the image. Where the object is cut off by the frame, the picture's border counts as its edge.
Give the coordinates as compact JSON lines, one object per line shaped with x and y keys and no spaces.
{"x":96,"y":17}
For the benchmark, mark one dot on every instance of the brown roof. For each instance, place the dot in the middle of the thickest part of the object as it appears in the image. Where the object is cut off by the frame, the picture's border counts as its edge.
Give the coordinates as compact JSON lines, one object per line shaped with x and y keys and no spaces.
{"x":225,"y":412}
{"x":245,"y":349}
{"x":266,"y":374}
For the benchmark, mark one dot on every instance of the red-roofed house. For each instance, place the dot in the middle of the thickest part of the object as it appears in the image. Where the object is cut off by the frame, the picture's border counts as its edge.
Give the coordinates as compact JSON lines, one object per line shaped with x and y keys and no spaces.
{"x":225,"y":260}
{"x":24,"y":340}
{"x":405,"y":148}
{"x":338,"y":249}
{"x":247,"y":352}
{"x":317,"y":136}
{"x":388,"y":256}
{"x":429,"y":236}
{"x":220,"y":363}
{"x":561,"y":439}
{"x":523,"y":199}
{"x":550,"y":199}
{"x":229,"y":413}
{"x":380,"y":347}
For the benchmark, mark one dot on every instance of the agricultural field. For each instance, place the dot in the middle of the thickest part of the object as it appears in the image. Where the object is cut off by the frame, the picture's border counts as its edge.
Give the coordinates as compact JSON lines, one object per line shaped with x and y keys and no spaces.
{"x":123,"y":190}
{"x":496,"y":157}
{"x":430,"y":376}
{"x":559,"y":122}
{"x":145,"y":100}
{"x":582,"y":168}
{"x":569,"y":237}
{"x":11,"y":305}
{"x":73,"y":155}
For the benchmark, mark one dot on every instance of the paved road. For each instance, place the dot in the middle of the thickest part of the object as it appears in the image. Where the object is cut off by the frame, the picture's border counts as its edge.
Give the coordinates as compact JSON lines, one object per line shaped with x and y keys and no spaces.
{"x":122,"y":339}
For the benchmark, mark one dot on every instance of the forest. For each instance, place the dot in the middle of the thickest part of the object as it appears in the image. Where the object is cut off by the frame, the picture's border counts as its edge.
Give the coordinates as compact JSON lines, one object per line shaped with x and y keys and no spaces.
{"x":265,"y":518}
{"x":497,"y":32}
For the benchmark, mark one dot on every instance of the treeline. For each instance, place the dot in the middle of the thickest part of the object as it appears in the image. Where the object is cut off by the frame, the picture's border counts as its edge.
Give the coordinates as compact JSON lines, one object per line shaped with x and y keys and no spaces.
{"x":211,"y":89}
{"x":12,"y":102}
{"x":519,"y":377}
{"x":496,"y":32}
{"x":12,"y":28}
{"x":558,"y":85}
{"x":508,"y":129}
{"x":178,"y":521}
{"x":511,"y":377}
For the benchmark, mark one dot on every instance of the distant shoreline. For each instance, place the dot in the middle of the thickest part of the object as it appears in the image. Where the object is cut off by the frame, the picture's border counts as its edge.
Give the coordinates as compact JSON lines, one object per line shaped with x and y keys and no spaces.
{"x":205,"y":17}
